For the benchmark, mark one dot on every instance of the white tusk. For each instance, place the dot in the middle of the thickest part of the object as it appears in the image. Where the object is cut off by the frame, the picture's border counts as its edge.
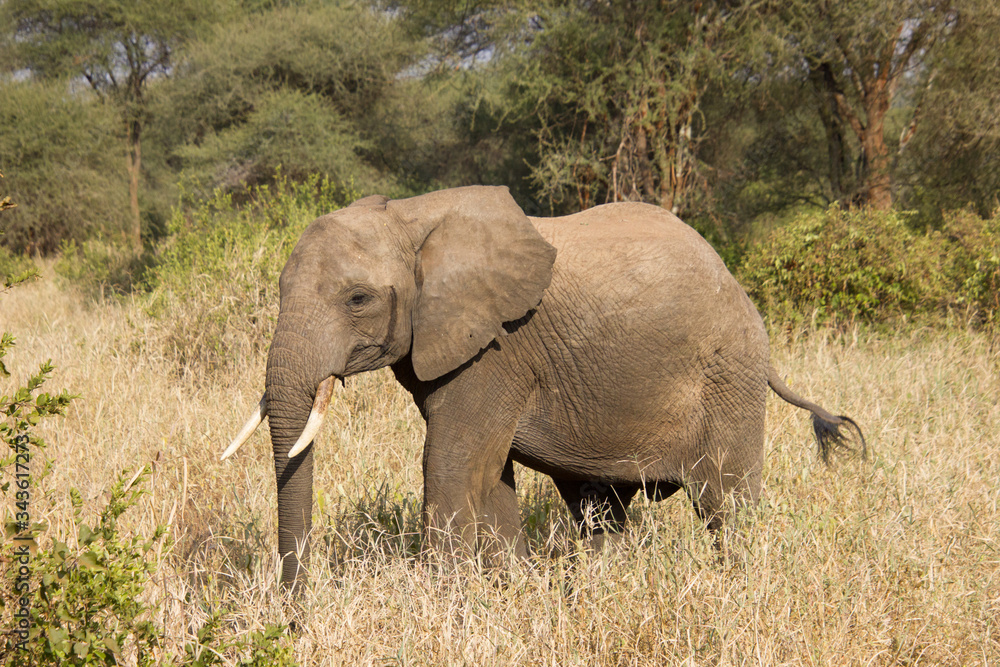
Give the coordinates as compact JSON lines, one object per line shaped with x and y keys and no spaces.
{"x":320,"y":404}
{"x":248,"y":428}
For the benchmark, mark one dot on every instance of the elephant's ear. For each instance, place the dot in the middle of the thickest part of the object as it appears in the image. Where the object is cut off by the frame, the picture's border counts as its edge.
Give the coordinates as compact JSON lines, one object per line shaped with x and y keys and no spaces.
{"x":480,"y":263}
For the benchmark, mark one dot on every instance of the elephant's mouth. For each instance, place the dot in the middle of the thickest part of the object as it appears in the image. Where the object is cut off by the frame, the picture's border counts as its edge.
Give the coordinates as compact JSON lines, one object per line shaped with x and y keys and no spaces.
{"x":320,"y":403}
{"x":365,"y":357}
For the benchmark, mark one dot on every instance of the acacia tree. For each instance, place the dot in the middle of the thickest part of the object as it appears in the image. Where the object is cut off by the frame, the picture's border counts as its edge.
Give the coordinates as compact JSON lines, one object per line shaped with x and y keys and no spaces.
{"x":861,"y":57}
{"x":954,"y":160}
{"x":610,"y":92}
{"x":117,"y":47}
{"x":290,"y":87}
{"x":617,"y":94}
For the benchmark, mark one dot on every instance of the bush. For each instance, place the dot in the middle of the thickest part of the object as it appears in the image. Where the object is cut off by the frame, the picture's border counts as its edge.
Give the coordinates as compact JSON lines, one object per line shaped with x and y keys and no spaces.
{"x":974,"y":254}
{"x":87,"y":608}
{"x":870,"y":266}
{"x":15,"y":268}
{"x":62,"y":160}
{"x":100,"y":268}
{"x":291,"y":85}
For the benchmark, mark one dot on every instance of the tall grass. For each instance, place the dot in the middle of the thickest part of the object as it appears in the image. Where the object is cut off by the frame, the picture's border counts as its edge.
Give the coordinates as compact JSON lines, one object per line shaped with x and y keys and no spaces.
{"x":890,"y":562}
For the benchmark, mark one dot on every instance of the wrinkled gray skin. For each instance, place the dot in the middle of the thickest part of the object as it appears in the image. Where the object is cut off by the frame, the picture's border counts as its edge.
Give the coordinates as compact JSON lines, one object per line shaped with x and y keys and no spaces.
{"x":610,"y":349}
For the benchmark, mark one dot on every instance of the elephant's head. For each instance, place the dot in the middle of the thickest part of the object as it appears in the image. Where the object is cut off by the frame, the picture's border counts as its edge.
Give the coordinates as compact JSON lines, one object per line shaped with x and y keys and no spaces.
{"x":433,"y":277}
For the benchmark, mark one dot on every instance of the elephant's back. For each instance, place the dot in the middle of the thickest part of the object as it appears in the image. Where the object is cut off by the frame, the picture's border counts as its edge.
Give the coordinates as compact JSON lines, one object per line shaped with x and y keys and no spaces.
{"x":620,"y":223}
{"x":644,"y":255}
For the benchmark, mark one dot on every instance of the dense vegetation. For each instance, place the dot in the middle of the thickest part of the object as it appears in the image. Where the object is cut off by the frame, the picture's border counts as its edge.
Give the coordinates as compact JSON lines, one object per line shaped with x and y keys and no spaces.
{"x":733,"y":114}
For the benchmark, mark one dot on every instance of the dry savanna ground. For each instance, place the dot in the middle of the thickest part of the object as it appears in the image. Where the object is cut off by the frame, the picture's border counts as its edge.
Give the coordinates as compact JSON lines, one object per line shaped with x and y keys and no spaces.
{"x":893,"y":561}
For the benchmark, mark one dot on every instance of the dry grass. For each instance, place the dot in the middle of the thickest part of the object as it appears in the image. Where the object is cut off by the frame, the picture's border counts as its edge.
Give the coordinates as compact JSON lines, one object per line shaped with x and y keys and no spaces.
{"x":891,"y":562}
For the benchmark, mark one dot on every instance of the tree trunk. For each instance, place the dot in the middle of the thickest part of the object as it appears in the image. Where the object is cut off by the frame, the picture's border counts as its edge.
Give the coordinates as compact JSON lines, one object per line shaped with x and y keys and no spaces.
{"x":821,"y":75}
{"x":878,"y":192}
{"x":643,"y":166}
{"x":134,"y":168}
{"x":874,"y":182}
{"x":677,"y":166}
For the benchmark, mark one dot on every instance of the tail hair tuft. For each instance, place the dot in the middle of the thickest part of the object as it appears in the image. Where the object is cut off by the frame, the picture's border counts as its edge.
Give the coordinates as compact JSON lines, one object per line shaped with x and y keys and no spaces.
{"x":840,"y":436}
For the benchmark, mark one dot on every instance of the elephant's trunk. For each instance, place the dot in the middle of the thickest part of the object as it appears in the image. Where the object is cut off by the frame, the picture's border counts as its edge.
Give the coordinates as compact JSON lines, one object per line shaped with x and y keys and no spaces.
{"x":292,"y":379}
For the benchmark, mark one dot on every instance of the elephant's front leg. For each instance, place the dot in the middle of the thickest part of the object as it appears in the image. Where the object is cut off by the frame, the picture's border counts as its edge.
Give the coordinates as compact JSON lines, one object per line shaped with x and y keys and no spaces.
{"x":470,"y":500}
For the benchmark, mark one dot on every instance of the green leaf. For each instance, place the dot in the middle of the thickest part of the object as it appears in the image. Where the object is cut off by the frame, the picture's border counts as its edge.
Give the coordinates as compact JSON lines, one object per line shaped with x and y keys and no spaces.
{"x":90,"y":561}
{"x":57,"y":637}
{"x":81,"y":649}
{"x":112,"y":645}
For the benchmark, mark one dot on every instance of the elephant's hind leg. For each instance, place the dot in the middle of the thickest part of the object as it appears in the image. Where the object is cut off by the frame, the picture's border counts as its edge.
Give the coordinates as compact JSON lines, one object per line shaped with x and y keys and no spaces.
{"x":717,"y":490}
{"x":597,"y":508}
{"x":726,"y":477}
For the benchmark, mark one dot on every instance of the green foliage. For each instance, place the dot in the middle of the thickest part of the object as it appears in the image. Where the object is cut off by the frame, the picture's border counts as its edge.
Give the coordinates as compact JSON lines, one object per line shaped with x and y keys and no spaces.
{"x":88,"y":607}
{"x":117,"y":48}
{"x":5,"y":202}
{"x":20,"y":413}
{"x":265,"y":647}
{"x":974,"y":254}
{"x":856,"y":59}
{"x":214,"y":285}
{"x":954,"y":160}
{"x":62,"y":163}
{"x":286,"y":127}
{"x":868,"y":266}
{"x":25,"y":408}
{"x":15,"y":268}
{"x":723,"y":112}
{"x":855,"y":265}
{"x":100,"y":268}
{"x":611,"y":95}
{"x":298,"y":86}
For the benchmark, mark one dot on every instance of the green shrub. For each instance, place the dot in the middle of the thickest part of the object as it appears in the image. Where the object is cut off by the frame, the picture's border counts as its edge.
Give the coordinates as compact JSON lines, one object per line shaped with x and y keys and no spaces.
{"x":99,"y":268}
{"x":974,"y":252}
{"x":63,"y":164}
{"x":70,"y":605}
{"x":264,"y":648}
{"x":15,"y":268}
{"x":870,"y":266}
{"x":87,"y":607}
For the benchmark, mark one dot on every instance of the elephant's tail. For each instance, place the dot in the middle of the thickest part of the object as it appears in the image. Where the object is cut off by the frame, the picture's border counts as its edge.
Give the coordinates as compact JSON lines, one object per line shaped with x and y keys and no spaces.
{"x":833,"y":433}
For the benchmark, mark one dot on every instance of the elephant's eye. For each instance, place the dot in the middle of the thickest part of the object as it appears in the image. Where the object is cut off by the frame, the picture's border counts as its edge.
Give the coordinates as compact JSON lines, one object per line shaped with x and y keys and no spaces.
{"x":358,"y":299}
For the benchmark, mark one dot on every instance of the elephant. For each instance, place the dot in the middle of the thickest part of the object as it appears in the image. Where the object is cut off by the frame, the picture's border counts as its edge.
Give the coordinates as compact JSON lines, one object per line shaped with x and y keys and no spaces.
{"x":610,"y":349}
